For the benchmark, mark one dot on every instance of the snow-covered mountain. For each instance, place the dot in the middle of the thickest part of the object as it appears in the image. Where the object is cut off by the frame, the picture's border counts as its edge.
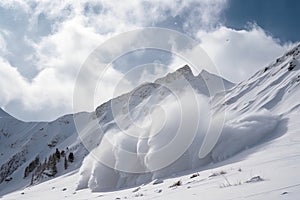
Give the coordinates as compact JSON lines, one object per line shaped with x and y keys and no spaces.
{"x":21,"y":142}
{"x":255,"y":157}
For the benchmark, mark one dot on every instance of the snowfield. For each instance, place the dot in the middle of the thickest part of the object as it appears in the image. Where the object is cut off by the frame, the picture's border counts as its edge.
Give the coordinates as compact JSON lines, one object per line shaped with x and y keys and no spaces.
{"x":276,"y":162}
{"x":160,"y":141}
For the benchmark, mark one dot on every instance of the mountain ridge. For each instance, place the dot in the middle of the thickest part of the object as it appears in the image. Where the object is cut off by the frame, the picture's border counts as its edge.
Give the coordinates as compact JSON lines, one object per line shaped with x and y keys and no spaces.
{"x":4,"y":114}
{"x":272,"y":88}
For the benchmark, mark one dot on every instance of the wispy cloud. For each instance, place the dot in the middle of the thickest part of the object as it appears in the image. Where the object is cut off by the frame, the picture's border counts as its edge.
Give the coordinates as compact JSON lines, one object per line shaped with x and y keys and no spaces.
{"x":240,"y":53}
{"x":49,"y":41}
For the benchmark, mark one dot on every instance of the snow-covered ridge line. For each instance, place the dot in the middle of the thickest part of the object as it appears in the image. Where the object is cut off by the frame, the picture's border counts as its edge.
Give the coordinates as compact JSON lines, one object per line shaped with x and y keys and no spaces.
{"x":41,"y":138}
{"x":253,"y":108}
{"x":260,"y":105}
{"x":199,"y":83}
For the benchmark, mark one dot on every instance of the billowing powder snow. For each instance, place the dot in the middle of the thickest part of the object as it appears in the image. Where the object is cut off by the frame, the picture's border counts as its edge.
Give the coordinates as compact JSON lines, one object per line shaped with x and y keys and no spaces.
{"x":167,"y":139}
{"x":239,"y":134}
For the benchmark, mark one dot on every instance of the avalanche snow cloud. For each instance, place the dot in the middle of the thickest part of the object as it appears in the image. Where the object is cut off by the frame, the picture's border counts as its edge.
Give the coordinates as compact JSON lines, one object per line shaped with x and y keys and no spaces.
{"x":163,"y":136}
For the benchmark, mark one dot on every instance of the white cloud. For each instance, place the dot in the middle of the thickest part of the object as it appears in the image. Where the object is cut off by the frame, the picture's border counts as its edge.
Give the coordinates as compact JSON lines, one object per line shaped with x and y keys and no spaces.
{"x":15,"y":4}
{"x":11,"y":83}
{"x":3,"y":46}
{"x":238,"y":54}
{"x":77,"y":28}
{"x":47,"y":91}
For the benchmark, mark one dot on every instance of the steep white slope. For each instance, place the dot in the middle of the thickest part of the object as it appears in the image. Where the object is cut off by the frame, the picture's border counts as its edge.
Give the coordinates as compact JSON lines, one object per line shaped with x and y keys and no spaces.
{"x":276,"y":162}
{"x":149,"y":152}
{"x":21,"y":142}
{"x":259,"y":139}
{"x":255,"y":109}
{"x":275,"y":88}
{"x":139,"y":125}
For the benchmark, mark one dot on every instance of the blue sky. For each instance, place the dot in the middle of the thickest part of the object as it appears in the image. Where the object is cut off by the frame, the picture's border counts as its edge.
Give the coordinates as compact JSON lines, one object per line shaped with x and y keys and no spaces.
{"x":43,"y":44}
{"x":277,"y":17}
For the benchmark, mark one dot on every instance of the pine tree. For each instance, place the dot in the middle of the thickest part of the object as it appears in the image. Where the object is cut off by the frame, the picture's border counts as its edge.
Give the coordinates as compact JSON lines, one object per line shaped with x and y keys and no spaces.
{"x":26,"y":173}
{"x":45,"y":162}
{"x":54,"y":158}
{"x":71,"y":157}
{"x":66,"y":163}
{"x":53,"y":165}
{"x":37,"y":161}
{"x":57,"y":154}
{"x":32,"y":166}
{"x":54,"y":170}
{"x":38,"y":169}
{"x":32,"y":179}
{"x":44,"y":166}
{"x":49,"y":162}
{"x":62,"y":153}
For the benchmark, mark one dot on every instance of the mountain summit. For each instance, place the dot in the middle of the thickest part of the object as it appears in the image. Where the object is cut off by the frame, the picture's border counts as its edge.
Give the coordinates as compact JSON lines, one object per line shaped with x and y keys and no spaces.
{"x":201,"y":83}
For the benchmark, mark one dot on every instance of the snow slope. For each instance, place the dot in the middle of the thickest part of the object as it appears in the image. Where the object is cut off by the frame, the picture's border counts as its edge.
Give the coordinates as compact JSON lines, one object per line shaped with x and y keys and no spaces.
{"x":21,"y":142}
{"x":139,"y":126}
{"x":3,"y":113}
{"x":276,"y":162}
{"x":256,"y":157}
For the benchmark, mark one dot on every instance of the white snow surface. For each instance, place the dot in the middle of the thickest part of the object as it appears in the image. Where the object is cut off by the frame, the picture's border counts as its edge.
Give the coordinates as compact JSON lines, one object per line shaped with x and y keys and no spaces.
{"x":256,"y":157}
